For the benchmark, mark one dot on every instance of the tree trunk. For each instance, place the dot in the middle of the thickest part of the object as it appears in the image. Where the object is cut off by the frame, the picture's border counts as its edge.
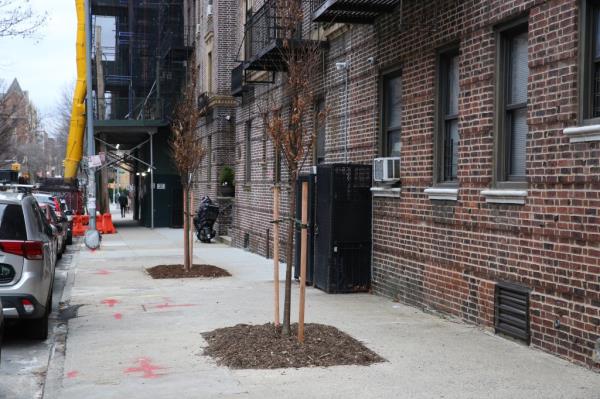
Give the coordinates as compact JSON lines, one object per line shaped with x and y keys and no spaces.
{"x":191,"y":229}
{"x":289,"y":254}
{"x":186,"y":229}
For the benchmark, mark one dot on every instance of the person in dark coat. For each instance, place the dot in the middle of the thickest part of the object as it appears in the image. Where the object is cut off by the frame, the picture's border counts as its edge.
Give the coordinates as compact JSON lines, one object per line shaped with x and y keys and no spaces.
{"x":123,"y":202}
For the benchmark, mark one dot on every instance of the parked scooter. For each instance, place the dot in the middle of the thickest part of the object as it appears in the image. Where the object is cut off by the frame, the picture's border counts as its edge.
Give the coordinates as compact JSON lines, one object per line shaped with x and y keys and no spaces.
{"x":205,"y":219}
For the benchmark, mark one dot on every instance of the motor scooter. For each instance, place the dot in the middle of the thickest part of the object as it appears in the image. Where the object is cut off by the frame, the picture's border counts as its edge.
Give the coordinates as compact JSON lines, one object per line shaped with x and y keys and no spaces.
{"x":205,"y":218}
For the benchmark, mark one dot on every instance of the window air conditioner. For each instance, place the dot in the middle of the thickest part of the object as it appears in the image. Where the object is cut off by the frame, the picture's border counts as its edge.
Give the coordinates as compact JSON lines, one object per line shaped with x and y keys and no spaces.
{"x":386,"y":170}
{"x":209,"y":9}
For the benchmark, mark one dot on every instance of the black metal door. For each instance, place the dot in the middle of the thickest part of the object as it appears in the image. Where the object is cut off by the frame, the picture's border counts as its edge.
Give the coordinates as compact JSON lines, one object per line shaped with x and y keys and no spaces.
{"x":177,"y":207}
{"x":343,"y":228}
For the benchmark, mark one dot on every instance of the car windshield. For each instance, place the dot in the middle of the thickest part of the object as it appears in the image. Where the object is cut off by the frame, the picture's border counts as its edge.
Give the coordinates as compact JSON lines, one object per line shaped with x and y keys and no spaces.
{"x":12,"y":222}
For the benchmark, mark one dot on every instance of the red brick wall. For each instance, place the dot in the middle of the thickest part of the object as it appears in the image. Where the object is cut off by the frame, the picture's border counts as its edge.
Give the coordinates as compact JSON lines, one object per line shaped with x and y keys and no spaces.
{"x":447,"y":256}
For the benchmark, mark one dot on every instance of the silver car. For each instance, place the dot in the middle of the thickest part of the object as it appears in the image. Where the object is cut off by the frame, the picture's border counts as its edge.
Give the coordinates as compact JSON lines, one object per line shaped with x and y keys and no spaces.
{"x":26,"y":262}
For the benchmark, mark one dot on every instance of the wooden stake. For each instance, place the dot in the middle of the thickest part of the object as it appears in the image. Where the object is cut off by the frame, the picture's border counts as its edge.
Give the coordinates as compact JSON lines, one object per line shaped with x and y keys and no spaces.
{"x":276,"y":192}
{"x":191,"y":224}
{"x":303,"y":256}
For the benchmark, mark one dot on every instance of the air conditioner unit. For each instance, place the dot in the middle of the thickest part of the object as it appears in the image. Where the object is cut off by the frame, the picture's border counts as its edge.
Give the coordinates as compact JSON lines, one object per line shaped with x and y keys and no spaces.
{"x":386,"y":170}
{"x":209,"y":9}
{"x":198,"y":29}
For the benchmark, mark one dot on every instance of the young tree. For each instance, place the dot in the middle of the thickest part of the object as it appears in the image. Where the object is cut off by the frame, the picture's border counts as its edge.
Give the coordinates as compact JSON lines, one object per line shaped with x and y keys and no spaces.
{"x":286,"y":123}
{"x":187,"y":152}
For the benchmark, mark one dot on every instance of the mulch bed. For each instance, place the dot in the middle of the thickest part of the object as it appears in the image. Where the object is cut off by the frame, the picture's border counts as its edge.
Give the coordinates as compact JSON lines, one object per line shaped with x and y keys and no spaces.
{"x":264,"y":347}
{"x":176,"y":271}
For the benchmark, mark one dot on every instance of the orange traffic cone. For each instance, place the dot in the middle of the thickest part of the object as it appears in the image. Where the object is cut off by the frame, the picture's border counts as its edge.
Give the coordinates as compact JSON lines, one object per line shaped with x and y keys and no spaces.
{"x":109,"y":227}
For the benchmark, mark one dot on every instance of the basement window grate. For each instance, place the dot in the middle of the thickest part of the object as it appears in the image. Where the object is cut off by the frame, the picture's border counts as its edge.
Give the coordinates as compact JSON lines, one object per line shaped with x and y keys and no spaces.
{"x":512,"y":311}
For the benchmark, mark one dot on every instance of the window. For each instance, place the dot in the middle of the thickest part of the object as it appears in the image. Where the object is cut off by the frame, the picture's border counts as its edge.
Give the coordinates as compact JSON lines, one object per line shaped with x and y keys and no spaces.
{"x":319,"y":145}
{"x":248,"y":160}
{"x":392,"y":118}
{"x":12,"y":223}
{"x":277,"y":165}
{"x":511,"y":106}
{"x":447,"y":136}
{"x":209,"y":72}
{"x":209,"y":156}
{"x":590,"y":62}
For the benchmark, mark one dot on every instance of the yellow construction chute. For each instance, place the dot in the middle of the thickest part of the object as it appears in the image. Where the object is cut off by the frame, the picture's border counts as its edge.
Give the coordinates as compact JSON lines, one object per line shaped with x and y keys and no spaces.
{"x":77,"y":126}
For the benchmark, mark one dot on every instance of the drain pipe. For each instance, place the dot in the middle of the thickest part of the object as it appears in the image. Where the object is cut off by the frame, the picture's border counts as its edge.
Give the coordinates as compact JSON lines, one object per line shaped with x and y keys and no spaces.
{"x":92,"y":237}
{"x":344,"y":66}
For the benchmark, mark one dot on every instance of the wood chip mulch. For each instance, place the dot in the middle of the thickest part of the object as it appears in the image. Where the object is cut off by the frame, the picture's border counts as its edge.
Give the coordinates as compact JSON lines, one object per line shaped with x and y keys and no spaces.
{"x":264,"y":347}
{"x":176,"y":271}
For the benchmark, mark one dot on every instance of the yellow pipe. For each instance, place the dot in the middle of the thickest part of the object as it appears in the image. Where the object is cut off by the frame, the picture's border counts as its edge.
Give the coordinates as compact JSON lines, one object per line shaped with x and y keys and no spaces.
{"x":77,"y":126}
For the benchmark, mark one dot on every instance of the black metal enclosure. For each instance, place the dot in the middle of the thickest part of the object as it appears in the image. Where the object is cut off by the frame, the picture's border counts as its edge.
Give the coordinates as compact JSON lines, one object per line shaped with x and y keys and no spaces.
{"x":310,"y":260}
{"x":343,"y":228}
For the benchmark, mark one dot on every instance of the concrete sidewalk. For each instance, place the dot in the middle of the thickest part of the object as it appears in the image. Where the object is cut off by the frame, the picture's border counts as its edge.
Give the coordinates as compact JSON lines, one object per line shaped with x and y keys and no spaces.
{"x":135,"y":337}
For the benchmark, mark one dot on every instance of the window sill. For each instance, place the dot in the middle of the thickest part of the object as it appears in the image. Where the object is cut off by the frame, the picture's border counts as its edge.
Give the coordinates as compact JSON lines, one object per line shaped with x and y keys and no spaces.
{"x":390,"y":192}
{"x":442,"y":194}
{"x":495,"y":196}
{"x":581,"y":134}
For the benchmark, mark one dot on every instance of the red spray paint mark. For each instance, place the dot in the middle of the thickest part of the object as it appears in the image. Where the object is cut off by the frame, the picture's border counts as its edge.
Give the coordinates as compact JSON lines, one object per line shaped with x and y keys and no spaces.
{"x":146,"y":368}
{"x":72,"y":374}
{"x":170,"y":305}
{"x":110,"y":302}
{"x":103,"y":272}
{"x":118,"y":316}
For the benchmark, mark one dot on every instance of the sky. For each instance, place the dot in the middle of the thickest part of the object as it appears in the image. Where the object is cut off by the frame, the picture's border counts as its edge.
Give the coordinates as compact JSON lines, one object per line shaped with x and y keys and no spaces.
{"x":44,"y":64}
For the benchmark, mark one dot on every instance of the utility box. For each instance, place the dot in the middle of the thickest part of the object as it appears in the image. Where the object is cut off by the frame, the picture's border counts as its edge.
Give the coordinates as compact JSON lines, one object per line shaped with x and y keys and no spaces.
{"x":343,"y":228}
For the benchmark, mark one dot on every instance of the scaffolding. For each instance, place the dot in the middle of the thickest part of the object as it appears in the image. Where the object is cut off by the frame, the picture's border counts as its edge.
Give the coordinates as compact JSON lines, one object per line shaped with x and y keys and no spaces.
{"x":139,"y":58}
{"x":140,"y":53}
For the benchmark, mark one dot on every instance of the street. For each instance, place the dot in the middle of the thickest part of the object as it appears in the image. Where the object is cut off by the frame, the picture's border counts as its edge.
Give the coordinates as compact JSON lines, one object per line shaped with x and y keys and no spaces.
{"x":25,"y":362}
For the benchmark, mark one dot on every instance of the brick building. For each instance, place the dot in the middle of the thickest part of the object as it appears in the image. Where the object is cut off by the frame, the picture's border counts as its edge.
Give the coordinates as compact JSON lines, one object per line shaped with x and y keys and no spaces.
{"x":492,"y":108}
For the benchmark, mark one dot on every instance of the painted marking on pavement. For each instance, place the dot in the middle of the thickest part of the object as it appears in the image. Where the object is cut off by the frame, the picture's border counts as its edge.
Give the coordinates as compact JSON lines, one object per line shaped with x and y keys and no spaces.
{"x":72,"y":374}
{"x":103,"y":272}
{"x":110,"y":302}
{"x":170,"y":305}
{"x":118,"y":316}
{"x":146,"y":368}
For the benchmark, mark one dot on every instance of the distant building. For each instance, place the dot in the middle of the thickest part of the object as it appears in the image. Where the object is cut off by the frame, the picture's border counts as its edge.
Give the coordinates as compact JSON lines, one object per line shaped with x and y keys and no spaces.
{"x":18,"y":115}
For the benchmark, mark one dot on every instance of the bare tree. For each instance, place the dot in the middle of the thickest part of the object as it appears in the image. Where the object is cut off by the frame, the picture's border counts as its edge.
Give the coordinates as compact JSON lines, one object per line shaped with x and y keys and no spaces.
{"x":18,"y":19}
{"x":287,"y":123}
{"x":62,"y":115}
{"x":187,"y":152}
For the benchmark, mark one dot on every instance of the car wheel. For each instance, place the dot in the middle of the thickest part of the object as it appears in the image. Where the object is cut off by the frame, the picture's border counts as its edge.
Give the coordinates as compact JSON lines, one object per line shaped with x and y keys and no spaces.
{"x":38,"y":328}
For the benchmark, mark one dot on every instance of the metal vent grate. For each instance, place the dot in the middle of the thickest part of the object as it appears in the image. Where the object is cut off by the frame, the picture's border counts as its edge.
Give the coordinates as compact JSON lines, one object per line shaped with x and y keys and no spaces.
{"x":512,"y":311}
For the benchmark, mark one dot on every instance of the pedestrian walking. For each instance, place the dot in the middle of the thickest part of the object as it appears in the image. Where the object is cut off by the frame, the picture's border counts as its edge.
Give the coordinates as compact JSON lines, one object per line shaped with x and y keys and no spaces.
{"x":123,"y":203}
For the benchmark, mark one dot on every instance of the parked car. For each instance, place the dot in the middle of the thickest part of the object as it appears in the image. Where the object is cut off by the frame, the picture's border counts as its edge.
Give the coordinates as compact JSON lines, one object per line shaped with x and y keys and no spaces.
{"x":61,"y":226}
{"x":47,"y":198}
{"x":27,"y":263}
{"x":68,"y":212}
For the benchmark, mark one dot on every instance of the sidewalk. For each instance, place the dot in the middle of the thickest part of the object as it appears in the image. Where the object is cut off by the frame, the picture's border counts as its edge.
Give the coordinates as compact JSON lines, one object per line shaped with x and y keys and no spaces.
{"x":135,"y":337}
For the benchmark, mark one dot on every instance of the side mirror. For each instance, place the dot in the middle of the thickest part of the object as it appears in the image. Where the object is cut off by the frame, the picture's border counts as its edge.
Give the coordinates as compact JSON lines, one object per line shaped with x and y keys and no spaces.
{"x":69,"y":213}
{"x":49,"y":231}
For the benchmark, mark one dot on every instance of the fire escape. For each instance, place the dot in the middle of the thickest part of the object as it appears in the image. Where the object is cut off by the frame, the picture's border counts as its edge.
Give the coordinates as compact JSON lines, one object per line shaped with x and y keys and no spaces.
{"x":350,"y":11}
{"x":264,"y":48}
